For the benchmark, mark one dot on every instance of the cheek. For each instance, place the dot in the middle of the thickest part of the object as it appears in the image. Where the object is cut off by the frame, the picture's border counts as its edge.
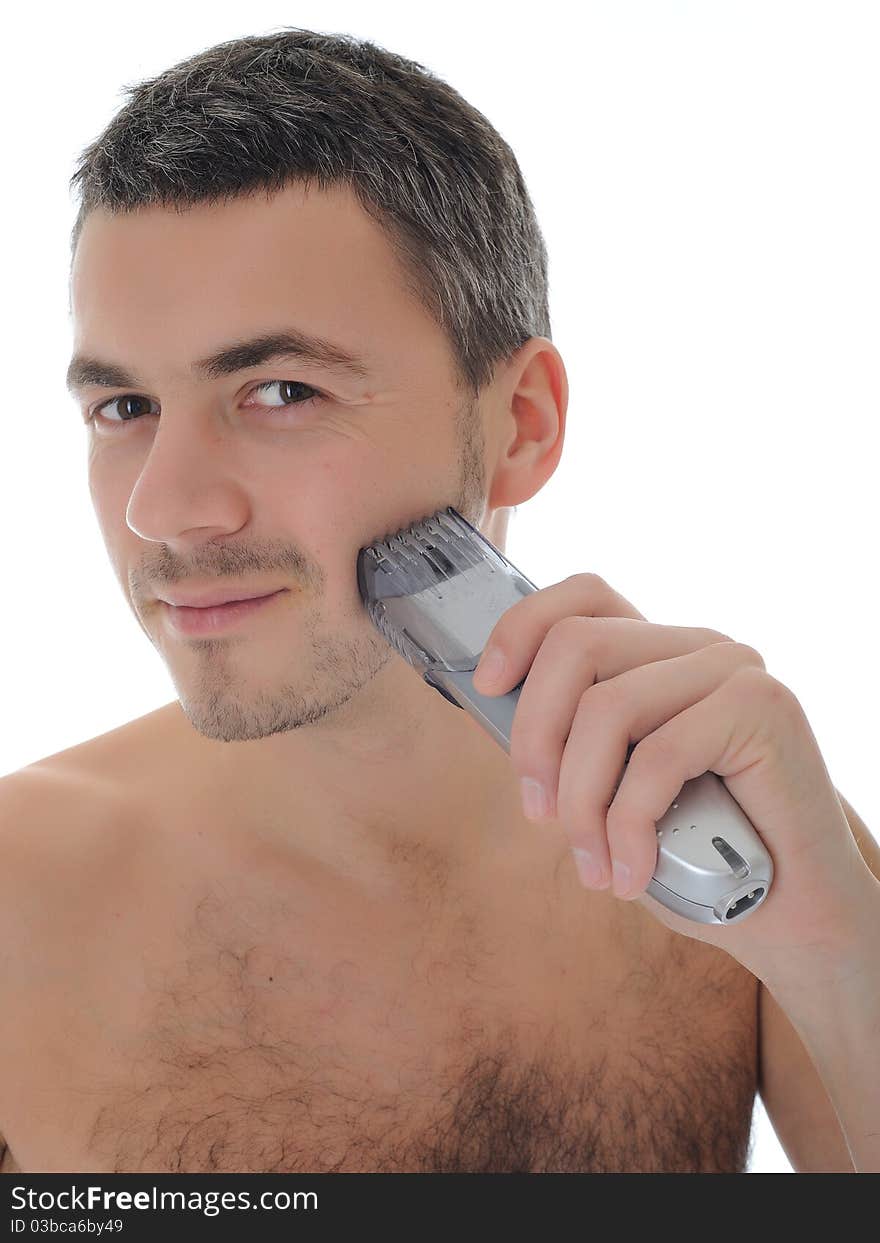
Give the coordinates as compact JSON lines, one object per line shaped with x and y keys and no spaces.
{"x":338,"y":503}
{"x":317,"y":503}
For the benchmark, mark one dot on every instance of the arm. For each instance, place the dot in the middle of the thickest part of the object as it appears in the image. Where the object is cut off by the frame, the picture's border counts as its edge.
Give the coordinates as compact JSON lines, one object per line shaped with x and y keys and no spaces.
{"x":817,"y":1054}
{"x":794,"y":1096}
{"x":868,"y":847}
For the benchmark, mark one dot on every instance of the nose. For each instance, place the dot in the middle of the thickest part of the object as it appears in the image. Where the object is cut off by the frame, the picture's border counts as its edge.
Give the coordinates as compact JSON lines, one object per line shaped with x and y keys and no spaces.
{"x":187,"y":489}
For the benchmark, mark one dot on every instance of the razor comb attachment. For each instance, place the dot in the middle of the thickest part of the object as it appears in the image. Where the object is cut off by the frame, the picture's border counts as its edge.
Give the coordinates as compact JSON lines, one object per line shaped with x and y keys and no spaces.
{"x":435,"y":590}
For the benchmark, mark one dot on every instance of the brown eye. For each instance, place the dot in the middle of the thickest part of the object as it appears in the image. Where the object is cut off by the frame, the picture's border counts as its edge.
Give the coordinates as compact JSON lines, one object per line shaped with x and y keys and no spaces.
{"x":286,"y":388}
{"x":131,"y":407}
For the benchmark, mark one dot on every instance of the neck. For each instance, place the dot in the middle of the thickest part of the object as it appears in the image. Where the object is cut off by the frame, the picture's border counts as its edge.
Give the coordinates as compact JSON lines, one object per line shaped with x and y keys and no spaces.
{"x":405,"y":767}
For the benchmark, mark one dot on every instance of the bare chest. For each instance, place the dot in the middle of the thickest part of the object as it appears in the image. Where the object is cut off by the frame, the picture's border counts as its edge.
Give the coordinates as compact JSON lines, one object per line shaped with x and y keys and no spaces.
{"x":311,"y":1030}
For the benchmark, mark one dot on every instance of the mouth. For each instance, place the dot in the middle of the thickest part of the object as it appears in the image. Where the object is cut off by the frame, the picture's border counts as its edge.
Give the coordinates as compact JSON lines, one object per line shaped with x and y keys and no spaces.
{"x":212,"y":619}
{"x":205,"y":599}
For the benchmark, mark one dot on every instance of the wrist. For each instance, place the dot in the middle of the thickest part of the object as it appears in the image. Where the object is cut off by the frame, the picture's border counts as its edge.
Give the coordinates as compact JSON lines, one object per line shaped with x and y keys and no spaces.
{"x":846,"y":975}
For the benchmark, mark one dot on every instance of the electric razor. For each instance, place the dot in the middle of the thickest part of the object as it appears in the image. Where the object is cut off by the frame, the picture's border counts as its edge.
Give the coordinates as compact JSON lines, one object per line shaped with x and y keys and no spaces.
{"x":435,"y":590}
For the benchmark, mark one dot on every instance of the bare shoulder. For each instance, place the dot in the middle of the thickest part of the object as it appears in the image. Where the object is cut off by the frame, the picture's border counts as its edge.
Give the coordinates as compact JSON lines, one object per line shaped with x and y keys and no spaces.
{"x":67,"y":826}
{"x":54,"y":836}
{"x":61,"y":806}
{"x":51,"y":822}
{"x":49,"y":812}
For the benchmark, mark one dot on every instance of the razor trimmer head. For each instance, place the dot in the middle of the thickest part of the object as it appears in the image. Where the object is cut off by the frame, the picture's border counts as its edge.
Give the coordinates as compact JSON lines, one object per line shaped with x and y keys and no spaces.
{"x":435,"y":590}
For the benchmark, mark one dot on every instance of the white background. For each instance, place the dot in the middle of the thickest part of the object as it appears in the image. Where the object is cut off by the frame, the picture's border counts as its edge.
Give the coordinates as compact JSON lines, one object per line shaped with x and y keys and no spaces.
{"x":705,"y":175}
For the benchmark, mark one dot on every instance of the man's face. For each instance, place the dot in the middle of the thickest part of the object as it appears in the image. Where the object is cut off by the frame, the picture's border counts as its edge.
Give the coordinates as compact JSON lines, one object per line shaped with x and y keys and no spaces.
{"x":272,"y":476}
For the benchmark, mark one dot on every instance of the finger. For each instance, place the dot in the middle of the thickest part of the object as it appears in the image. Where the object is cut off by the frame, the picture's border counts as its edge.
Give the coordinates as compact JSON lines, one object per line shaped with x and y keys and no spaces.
{"x":634,"y":708}
{"x":698,"y":740}
{"x":518,"y":633}
{"x":576,"y":653}
{"x":752,"y":731}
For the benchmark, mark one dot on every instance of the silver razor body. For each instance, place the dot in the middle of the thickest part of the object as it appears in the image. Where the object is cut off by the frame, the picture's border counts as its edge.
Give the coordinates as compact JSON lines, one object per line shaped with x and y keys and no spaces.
{"x":435,"y":590}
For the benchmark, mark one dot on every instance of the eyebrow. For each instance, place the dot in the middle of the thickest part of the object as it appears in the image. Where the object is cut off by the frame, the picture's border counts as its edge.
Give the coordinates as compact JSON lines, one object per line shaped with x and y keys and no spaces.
{"x":85,"y":371}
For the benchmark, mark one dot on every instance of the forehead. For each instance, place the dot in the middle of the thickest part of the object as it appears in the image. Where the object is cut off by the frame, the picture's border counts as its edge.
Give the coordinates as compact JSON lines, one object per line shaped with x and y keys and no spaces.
{"x":294,"y":230}
{"x":162,"y":281}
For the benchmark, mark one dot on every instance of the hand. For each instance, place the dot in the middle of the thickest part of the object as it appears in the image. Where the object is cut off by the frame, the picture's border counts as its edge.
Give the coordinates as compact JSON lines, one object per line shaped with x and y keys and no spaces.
{"x":598,"y":678}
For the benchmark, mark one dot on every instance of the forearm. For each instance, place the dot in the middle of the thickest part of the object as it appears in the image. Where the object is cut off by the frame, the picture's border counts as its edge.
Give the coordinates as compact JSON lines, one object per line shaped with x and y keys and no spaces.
{"x":839,"y":1025}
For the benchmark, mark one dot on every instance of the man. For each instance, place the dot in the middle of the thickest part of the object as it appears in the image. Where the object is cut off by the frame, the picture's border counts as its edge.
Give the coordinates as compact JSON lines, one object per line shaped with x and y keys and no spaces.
{"x":297,"y":919}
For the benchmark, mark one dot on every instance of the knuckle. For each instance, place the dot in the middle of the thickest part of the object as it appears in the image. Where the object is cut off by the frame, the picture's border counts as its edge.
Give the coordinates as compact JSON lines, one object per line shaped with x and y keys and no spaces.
{"x":606,"y":705}
{"x":749,"y":679}
{"x":657,"y":748}
{"x":742,"y":651}
{"x":617,"y":816}
{"x":752,"y":657}
{"x":570,"y":628}
{"x":716,"y":636}
{"x":782,"y":696}
{"x":590,"y":581}
{"x":605,"y":697}
{"x":758,"y":682}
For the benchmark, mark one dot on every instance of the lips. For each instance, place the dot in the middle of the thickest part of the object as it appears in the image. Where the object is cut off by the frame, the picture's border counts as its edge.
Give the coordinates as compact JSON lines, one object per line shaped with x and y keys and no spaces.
{"x":210,"y":599}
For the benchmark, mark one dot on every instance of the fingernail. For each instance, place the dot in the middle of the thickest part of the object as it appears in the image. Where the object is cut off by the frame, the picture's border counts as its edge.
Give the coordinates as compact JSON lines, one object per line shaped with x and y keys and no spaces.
{"x":534,"y":797}
{"x":622,"y":877}
{"x":591,"y":873}
{"x":491,"y":665}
